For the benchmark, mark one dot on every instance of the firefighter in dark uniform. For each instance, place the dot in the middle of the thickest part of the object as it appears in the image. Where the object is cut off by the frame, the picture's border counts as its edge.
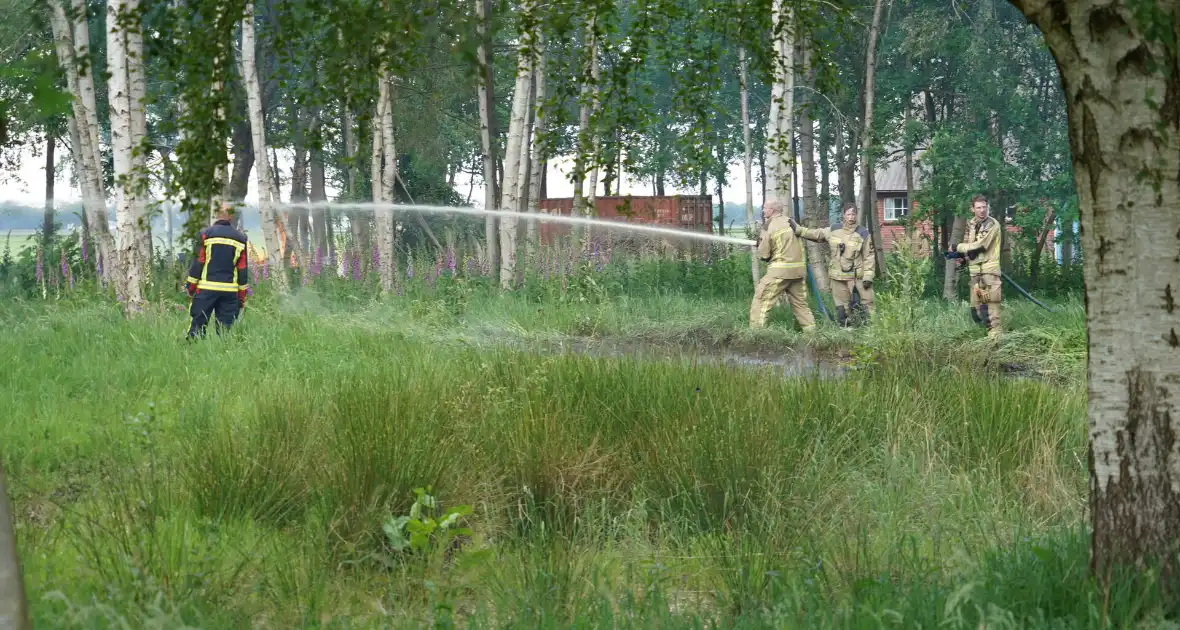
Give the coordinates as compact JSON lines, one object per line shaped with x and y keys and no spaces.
{"x":219,"y":277}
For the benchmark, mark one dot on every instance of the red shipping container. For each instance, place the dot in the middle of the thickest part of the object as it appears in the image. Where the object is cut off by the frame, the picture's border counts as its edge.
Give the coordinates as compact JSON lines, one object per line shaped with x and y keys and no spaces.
{"x":684,"y":212}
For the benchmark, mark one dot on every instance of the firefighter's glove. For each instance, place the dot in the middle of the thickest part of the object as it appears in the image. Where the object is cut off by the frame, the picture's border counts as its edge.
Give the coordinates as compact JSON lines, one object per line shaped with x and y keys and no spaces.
{"x":794,"y":226}
{"x":190,"y":288}
{"x":868,"y":284}
{"x":242,"y":297}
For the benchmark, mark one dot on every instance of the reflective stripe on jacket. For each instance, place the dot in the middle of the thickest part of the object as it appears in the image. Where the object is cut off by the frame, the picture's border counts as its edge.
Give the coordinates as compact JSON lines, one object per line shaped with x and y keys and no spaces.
{"x":221,"y":260}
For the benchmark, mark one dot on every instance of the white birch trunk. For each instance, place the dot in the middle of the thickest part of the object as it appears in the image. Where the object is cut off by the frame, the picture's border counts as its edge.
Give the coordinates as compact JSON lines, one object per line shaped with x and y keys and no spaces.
{"x":486,"y":112}
{"x":119,"y":96}
{"x":778,"y":153}
{"x":596,"y":145}
{"x":748,"y":158}
{"x":513,"y":163}
{"x":383,"y":178}
{"x":386,"y":247}
{"x":72,"y":44}
{"x":579,"y":203}
{"x":137,"y":87}
{"x":538,"y":159}
{"x":267,"y":193}
{"x":1126,"y":159}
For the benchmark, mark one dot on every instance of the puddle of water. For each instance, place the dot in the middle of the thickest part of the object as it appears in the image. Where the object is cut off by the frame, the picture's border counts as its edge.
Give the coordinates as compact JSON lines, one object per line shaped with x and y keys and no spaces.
{"x":791,"y":363}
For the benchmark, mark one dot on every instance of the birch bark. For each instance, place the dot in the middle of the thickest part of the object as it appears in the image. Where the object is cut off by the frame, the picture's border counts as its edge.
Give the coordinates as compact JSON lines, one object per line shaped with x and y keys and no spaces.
{"x":1122,"y":93}
{"x":265,"y":183}
{"x":122,"y":16}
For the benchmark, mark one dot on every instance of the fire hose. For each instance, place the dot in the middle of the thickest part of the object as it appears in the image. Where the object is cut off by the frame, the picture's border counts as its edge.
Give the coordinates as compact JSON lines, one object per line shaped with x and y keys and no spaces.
{"x":958,"y":256}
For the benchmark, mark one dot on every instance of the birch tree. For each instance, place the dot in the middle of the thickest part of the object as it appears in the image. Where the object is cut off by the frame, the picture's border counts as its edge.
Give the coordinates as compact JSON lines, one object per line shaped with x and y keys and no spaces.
{"x":517,"y":149}
{"x":384,"y":176}
{"x":1117,"y":64}
{"x":267,"y":197}
{"x":748,"y":158}
{"x":538,"y":157}
{"x":72,"y":43}
{"x":779,"y":165}
{"x":125,"y":68}
{"x":487,"y":130}
{"x":811,"y":210}
{"x":867,"y":213}
{"x":588,"y":97}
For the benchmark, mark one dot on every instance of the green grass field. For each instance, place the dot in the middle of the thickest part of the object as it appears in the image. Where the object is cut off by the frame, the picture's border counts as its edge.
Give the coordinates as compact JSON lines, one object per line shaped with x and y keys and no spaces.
{"x":17,"y":240}
{"x":256,"y":480}
{"x":606,"y":447}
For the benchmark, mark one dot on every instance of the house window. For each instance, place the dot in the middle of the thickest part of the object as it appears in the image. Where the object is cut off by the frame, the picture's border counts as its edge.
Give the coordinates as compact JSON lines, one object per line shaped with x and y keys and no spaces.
{"x":896,"y":208}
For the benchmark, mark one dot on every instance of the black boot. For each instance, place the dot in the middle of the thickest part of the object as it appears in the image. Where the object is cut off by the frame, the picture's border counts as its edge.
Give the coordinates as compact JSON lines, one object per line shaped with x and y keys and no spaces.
{"x":842,"y":316}
{"x":975,"y":316}
{"x":984,"y":320}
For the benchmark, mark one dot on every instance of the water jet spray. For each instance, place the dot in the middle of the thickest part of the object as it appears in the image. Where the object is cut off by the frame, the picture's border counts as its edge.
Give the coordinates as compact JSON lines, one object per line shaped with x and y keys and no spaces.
{"x":529,"y":216}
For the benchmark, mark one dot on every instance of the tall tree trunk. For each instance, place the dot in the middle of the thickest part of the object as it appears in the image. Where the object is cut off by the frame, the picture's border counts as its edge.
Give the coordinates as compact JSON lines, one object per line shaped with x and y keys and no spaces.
{"x":384,"y":178}
{"x":120,"y":61}
{"x":267,"y":197}
{"x":780,"y":163}
{"x":909,"y":170}
{"x":1034,"y":265}
{"x":166,"y":161}
{"x":748,"y":155}
{"x":1065,"y":237}
{"x":825,"y":173}
{"x":845,"y":167}
{"x":50,"y":179}
{"x":515,"y":164}
{"x":866,"y":215}
{"x":239,"y":180}
{"x":72,"y":40}
{"x":137,"y":89}
{"x":816,"y":252}
{"x":1126,"y":160}
{"x":950,"y":277}
{"x":14,"y":611}
{"x":585,"y":142}
{"x":539,"y":163}
{"x":487,"y":131}
{"x":319,"y":195}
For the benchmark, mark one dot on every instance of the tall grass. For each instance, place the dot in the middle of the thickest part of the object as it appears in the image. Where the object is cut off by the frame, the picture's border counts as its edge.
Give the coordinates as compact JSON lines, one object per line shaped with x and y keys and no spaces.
{"x":246,"y":480}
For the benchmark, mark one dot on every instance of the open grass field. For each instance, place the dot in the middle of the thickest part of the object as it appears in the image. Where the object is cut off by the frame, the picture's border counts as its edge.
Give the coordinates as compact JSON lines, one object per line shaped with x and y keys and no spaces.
{"x":637,"y":462}
{"x":16,"y":240}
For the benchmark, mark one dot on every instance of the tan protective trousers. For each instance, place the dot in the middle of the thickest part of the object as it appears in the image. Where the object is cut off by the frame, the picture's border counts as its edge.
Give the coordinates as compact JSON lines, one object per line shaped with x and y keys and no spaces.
{"x":767,"y":293}
{"x":985,"y":289}
{"x":842,"y":294}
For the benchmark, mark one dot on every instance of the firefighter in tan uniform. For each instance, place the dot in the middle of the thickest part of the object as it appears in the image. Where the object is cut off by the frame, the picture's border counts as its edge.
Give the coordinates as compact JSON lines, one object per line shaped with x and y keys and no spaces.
{"x":780,"y":247}
{"x":852,"y":265}
{"x":981,"y":249}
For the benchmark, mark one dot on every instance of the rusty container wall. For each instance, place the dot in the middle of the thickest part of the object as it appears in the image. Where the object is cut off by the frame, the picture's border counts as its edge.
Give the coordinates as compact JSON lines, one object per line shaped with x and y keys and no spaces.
{"x":686,"y":212}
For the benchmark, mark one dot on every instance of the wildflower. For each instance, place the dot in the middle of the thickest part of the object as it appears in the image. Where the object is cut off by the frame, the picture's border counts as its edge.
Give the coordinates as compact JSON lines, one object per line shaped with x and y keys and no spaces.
{"x":85,"y":252}
{"x":410,"y":268}
{"x":40,"y":265}
{"x":356,"y":267}
{"x":451,"y":260}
